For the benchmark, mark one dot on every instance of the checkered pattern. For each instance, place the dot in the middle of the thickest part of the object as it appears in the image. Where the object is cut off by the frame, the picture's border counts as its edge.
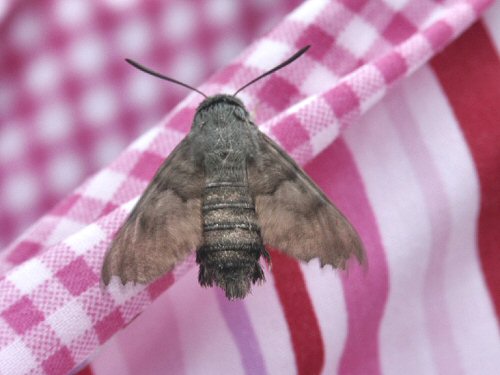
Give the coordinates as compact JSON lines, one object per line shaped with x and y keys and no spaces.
{"x":68,"y":102}
{"x":53,"y":311}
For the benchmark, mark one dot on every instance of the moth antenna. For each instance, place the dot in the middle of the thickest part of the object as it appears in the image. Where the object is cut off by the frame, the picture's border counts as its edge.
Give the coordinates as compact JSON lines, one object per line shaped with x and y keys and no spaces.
{"x":282,"y":65}
{"x":156,"y":74}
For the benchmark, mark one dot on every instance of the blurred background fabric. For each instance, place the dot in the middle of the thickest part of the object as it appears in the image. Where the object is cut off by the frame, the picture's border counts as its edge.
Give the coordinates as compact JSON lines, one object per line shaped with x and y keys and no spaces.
{"x":394,"y":112}
{"x":68,"y":102}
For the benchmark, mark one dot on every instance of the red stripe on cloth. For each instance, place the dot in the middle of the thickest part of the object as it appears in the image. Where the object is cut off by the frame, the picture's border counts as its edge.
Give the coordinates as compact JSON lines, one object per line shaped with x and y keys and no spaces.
{"x":87,"y":370}
{"x":365,"y":290}
{"x":469,"y":72}
{"x":300,"y":316}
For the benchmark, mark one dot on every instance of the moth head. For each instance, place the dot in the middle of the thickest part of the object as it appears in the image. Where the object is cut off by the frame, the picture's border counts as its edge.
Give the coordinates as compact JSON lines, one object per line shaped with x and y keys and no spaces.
{"x":220,"y":99}
{"x":212,"y":107}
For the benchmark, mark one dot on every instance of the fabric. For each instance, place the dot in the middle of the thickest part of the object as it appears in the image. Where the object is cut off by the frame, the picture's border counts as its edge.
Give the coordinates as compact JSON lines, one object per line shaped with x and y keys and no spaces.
{"x":394,"y":113}
{"x":68,"y":102}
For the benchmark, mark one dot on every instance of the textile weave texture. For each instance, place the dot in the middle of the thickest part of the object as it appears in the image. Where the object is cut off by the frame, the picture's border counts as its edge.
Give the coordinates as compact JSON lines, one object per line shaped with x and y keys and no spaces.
{"x":393,"y":112}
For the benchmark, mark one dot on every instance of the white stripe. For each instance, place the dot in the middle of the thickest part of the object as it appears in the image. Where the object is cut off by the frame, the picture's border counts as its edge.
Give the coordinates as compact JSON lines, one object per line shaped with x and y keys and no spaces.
{"x":398,"y":205}
{"x":327,"y":296}
{"x":472,"y":316}
{"x":309,"y":10}
{"x":492,"y":22}
{"x":271,"y":328}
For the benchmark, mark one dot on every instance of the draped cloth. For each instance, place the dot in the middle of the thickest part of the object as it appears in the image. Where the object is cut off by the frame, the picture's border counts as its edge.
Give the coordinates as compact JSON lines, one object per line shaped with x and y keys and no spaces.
{"x":394,"y":112}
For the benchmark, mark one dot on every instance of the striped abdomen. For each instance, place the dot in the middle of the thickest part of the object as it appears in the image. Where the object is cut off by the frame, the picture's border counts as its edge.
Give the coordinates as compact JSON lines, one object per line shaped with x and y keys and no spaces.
{"x":232,"y":243}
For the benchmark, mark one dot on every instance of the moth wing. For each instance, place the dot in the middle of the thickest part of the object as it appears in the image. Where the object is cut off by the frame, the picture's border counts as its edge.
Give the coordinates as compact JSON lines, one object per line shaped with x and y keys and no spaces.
{"x":164,"y":226}
{"x":294,"y":214}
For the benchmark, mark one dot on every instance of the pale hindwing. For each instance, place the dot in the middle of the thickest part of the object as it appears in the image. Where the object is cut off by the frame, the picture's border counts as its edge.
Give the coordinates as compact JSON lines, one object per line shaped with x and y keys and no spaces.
{"x":164,"y":226}
{"x":293,"y":213}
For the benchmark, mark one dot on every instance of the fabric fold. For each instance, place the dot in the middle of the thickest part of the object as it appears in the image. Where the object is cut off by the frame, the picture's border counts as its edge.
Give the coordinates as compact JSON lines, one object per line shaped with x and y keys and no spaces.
{"x":50,"y":276}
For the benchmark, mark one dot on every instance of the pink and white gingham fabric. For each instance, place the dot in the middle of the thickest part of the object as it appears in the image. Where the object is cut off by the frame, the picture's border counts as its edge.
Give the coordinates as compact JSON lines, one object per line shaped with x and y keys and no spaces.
{"x":375,"y":113}
{"x":68,"y":102}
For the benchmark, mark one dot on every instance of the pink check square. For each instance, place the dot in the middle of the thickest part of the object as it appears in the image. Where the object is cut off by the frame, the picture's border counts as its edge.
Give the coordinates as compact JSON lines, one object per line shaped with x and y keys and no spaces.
{"x":77,"y":276}
{"x":278,"y":92}
{"x":392,"y":66}
{"x":109,"y":325}
{"x":399,"y":29}
{"x":320,"y":41}
{"x":23,"y":315}
{"x":147,"y":166}
{"x":290,"y":133}
{"x":342,"y":99}
{"x":60,"y":362}
{"x":23,"y":251}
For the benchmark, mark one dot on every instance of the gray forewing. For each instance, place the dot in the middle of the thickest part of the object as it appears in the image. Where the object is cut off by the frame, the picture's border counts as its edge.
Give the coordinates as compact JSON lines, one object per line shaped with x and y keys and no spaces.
{"x":164,"y":226}
{"x":294,"y":214}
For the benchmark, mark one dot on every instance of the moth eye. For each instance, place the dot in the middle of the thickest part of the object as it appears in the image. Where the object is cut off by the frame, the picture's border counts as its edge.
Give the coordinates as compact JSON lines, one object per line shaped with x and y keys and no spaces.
{"x":239,"y":114}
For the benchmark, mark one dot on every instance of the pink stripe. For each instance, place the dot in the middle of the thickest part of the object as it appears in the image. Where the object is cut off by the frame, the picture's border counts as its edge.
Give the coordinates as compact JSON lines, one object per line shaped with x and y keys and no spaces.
{"x":151,"y":342}
{"x":444,"y":349}
{"x":366,"y":292}
{"x":109,"y":360}
{"x":238,"y":321}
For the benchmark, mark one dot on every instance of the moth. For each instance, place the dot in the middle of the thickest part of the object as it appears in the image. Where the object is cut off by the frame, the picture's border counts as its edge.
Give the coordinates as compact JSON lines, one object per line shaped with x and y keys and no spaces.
{"x":226,"y":191}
